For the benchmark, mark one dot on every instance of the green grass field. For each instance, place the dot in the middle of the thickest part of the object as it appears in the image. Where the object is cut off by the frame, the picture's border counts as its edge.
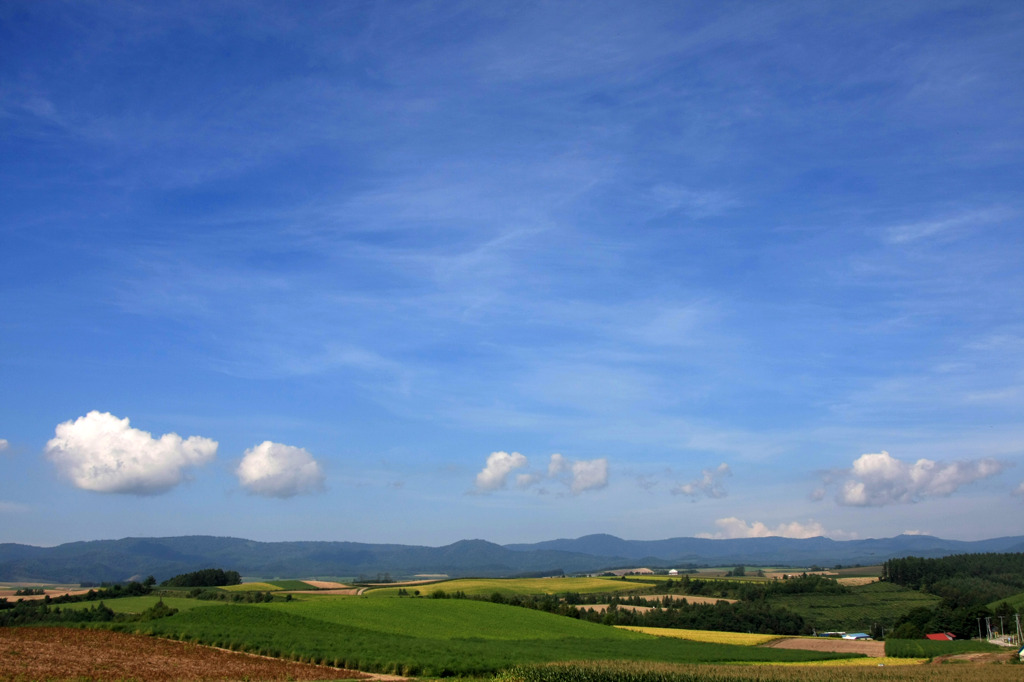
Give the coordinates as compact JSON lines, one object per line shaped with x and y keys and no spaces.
{"x":857,"y":611}
{"x":520,"y":586}
{"x":432,"y":636}
{"x":1016,"y":601}
{"x":926,"y":648}
{"x":139,"y":604}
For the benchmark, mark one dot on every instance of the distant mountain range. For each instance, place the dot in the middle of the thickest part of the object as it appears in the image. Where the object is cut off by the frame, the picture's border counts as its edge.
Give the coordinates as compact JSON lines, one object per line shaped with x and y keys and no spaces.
{"x":116,"y":560}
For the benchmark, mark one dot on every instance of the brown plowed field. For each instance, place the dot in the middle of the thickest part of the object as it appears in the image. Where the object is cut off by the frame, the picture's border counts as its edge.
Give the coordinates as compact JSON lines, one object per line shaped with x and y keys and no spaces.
{"x":325,"y":584}
{"x":10,"y":596}
{"x":842,"y":646}
{"x":71,"y":654}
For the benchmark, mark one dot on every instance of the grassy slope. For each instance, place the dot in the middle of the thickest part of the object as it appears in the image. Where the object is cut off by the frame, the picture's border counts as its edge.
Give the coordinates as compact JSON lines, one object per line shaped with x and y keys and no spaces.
{"x":433,"y":636}
{"x":856,"y":611}
{"x":1016,"y":601}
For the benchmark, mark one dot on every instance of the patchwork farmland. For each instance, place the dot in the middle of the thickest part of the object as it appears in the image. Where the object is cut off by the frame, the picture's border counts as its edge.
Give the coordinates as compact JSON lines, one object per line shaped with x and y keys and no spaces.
{"x":394,"y":630}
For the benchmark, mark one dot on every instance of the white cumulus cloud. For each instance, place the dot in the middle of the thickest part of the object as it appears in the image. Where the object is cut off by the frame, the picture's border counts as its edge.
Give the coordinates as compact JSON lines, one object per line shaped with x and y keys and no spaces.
{"x":709,"y":485}
{"x":3,"y":444}
{"x":578,"y":475}
{"x":499,"y":466}
{"x":589,"y":474}
{"x":879,"y":479}
{"x":733,"y":527}
{"x":277,"y":470}
{"x":1019,"y":490}
{"x":105,"y":454}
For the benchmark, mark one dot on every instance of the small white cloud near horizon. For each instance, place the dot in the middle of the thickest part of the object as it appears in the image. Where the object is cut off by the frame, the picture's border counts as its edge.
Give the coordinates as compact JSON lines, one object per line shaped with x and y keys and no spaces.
{"x":880,"y":479}
{"x":495,"y":473}
{"x":526,"y":480}
{"x":589,"y":474}
{"x":579,"y":475}
{"x":277,"y":470}
{"x":1019,"y":490}
{"x":557,"y":465}
{"x":733,"y":527}
{"x":4,"y":444}
{"x":709,"y":485}
{"x":102,"y":453}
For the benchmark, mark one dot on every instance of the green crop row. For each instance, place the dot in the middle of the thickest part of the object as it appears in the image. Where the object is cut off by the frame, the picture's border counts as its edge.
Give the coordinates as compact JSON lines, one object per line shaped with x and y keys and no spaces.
{"x":864,"y":605}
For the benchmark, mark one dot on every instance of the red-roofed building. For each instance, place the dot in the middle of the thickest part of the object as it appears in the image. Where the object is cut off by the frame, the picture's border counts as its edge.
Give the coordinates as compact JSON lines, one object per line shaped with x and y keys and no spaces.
{"x":941,"y":636}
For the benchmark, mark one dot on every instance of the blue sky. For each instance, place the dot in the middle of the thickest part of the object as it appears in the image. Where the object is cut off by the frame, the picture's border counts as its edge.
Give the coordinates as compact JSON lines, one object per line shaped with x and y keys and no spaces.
{"x":418,"y":272}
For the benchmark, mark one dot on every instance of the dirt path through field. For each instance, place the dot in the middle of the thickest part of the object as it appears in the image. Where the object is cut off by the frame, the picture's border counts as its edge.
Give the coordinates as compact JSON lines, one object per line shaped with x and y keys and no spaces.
{"x":841,"y":646}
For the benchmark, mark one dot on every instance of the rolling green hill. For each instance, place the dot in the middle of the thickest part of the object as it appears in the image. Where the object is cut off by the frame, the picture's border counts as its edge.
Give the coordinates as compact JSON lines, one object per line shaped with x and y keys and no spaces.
{"x":432,"y":636}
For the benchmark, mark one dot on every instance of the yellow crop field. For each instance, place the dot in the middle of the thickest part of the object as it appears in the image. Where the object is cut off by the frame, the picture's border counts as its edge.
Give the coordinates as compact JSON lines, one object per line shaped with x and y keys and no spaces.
{"x":710,"y":636}
{"x":251,"y":587}
{"x":523,"y":586}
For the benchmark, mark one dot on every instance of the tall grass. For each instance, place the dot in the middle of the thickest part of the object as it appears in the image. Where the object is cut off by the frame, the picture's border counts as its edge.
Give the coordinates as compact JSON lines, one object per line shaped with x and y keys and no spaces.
{"x":654,"y":672}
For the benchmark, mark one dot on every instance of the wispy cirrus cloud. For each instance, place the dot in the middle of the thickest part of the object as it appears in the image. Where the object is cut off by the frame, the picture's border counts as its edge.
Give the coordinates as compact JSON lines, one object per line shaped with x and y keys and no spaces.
{"x":947,"y":226}
{"x":708,"y":485}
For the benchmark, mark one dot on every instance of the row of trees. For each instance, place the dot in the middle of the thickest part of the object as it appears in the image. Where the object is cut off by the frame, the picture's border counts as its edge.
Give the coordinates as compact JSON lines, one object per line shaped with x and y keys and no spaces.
{"x":40,"y":613}
{"x":965,"y":582}
{"x":208,"y":577}
{"x":754,"y":591}
{"x":974,"y":572}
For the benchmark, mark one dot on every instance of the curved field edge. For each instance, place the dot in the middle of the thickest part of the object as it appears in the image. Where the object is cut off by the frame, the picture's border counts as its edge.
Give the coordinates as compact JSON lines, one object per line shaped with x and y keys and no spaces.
{"x":530,"y":638}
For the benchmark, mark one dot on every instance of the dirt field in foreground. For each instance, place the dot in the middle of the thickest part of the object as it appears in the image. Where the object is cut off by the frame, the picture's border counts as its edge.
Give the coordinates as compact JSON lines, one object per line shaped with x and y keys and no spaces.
{"x":65,"y":653}
{"x":842,"y":646}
